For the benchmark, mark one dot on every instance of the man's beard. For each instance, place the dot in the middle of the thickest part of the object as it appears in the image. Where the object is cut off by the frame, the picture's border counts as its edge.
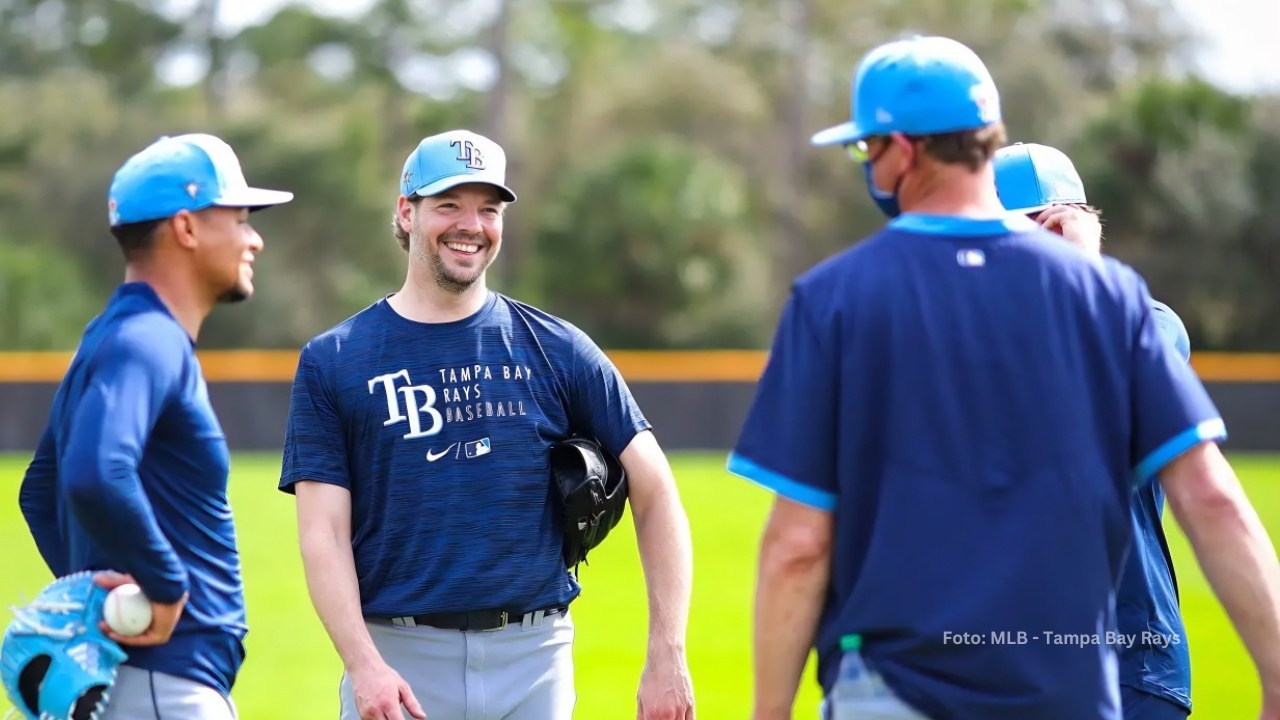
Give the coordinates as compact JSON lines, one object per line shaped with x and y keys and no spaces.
{"x":236,"y":293}
{"x":447,"y":279}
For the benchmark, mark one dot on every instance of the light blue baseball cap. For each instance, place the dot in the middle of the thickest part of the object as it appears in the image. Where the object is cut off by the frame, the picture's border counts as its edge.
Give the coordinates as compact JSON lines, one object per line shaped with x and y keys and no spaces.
{"x":917,"y":86}
{"x":1030,"y":178}
{"x":454,"y":158}
{"x":183,"y":172}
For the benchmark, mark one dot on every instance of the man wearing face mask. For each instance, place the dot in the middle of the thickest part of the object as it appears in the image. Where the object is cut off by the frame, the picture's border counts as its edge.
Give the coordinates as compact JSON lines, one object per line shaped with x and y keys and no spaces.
{"x":1042,"y":183}
{"x":954,"y":415}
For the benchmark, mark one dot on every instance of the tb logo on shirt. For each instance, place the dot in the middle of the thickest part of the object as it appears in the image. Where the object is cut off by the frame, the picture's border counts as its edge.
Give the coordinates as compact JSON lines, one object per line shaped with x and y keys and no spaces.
{"x":419,"y":401}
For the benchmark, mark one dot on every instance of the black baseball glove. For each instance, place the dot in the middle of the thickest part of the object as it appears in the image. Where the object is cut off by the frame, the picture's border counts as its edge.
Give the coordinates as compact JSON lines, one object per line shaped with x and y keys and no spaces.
{"x":593,"y":494}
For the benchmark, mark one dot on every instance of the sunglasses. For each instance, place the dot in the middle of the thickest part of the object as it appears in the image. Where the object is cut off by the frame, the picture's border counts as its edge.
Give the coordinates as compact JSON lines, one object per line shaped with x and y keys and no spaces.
{"x":860,"y":150}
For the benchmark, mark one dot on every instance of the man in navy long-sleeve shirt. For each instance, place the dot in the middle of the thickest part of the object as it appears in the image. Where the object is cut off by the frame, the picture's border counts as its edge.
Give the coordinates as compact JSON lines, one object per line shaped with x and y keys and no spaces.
{"x":130,"y":475}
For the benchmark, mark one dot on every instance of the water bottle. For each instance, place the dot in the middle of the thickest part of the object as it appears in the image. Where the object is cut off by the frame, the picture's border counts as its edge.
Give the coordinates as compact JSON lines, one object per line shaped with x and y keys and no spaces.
{"x":856,"y":681}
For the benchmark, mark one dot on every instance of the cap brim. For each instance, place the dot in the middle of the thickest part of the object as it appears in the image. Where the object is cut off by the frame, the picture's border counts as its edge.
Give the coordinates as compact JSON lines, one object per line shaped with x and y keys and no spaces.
{"x":253,"y":198}
{"x":448,"y":183}
{"x":841,"y":134}
{"x":1032,"y":209}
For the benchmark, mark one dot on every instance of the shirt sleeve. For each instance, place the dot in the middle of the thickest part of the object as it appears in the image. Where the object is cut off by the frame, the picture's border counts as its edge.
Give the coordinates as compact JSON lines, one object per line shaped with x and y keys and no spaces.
{"x":38,"y":500}
{"x":314,"y":445}
{"x":1172,"y":411}
{"x":787,"y":442}
{"x":1171,"y":327}
{"x":600,"y":403}
{"x":131,"y":381}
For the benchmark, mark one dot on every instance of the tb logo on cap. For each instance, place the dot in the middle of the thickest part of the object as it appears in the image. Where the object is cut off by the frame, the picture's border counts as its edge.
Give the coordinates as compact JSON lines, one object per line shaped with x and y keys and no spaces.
{"x":468,"y":153}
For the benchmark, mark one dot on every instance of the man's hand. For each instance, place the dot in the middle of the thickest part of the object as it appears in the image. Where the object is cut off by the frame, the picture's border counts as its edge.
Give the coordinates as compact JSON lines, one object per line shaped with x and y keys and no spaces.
{"x":380,"y":691}
{"x":1076,"y":225}
{"x":666,"y":691}
{"x":164,"y":617}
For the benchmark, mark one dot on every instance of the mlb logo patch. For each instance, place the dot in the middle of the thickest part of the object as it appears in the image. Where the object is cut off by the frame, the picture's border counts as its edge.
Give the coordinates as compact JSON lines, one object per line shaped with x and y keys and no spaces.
{"x":476,"y":448}
{"x":971,"y":257}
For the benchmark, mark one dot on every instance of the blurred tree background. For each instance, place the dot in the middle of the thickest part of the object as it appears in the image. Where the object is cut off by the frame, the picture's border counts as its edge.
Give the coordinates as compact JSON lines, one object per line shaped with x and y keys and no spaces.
{"x":668,"y":193}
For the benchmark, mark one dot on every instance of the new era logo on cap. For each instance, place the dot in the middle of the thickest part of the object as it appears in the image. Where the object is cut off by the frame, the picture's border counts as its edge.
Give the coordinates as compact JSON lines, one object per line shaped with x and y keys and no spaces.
{"x":454,"y":158}
{"x":185,"y":172}
{"x":917,"y":86}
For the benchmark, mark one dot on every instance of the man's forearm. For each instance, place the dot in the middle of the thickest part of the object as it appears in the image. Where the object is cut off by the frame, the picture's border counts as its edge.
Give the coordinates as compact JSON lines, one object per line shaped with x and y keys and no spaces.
{"x":789,"y":593}
{"x":335,"y":593}
{"x":1239,"y":561}
{"x":666,"y":551}
{"x":112,"y":507}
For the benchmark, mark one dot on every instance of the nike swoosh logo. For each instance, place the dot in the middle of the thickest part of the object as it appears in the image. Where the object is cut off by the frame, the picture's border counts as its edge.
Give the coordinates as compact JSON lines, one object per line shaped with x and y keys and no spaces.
{"x":432,"y":457}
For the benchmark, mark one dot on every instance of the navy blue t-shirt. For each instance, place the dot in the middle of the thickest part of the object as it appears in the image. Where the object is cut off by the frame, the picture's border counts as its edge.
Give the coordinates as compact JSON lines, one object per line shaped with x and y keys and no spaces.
{"x":441,"y":431}
{"x":131,"y":475}
{"x":1154,"y":655}
{"x":976,"y":403}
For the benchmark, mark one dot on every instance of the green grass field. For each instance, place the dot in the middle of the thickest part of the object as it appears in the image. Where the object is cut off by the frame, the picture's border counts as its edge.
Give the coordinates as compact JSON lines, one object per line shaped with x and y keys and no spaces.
{"x":292,"y":672}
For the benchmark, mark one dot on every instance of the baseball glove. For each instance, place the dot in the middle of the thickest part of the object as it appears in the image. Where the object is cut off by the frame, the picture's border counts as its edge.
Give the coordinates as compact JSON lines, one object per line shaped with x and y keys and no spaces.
{"x":55,"y":662}
{"x":593,"y":494}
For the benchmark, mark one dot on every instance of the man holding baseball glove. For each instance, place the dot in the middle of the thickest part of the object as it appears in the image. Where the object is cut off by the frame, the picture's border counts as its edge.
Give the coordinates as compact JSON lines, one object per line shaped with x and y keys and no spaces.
{"x":131,"y":473}
{"x":421,"y":441}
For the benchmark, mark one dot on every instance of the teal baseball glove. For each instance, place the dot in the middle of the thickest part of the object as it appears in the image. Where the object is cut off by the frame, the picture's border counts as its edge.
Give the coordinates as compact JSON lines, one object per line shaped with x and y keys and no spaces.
{"x":55,"y":662}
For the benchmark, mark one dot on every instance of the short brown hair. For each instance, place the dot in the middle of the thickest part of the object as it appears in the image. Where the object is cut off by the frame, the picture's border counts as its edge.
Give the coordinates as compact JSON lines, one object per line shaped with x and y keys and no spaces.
{"x":399,"y":232}
{"x":970,"y":148}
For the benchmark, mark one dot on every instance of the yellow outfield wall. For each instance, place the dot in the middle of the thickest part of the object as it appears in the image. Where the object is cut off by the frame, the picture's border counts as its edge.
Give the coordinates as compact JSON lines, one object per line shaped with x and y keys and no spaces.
{"x":696,"y":400}
{"x":679,"y":366}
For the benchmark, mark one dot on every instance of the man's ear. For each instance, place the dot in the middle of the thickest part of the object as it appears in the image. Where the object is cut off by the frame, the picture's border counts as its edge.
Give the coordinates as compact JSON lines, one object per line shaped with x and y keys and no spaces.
{"x":183,"y":226}
{"x":910,"y":151}
{"x":404,"y":214}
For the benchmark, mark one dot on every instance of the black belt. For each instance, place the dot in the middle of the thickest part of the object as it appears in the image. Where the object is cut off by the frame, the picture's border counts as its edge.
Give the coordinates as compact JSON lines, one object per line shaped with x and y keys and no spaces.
{"x":474,"y":619}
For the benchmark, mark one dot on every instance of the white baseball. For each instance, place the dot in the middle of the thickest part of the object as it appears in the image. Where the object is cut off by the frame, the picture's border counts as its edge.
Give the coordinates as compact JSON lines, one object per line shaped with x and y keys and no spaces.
{"x":127,"y":611}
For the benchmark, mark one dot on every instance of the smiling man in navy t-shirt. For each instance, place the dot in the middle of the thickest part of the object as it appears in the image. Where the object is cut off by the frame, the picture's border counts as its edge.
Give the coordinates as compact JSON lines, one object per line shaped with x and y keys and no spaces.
{"x":418,"y":448}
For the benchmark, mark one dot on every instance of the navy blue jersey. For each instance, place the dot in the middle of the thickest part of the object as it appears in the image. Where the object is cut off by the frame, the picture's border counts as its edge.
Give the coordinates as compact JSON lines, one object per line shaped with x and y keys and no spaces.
{"x":131,"y":475}
{"x":975,"y":401}
{"x":1154,"y":655}
{"x":442,"y":433}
